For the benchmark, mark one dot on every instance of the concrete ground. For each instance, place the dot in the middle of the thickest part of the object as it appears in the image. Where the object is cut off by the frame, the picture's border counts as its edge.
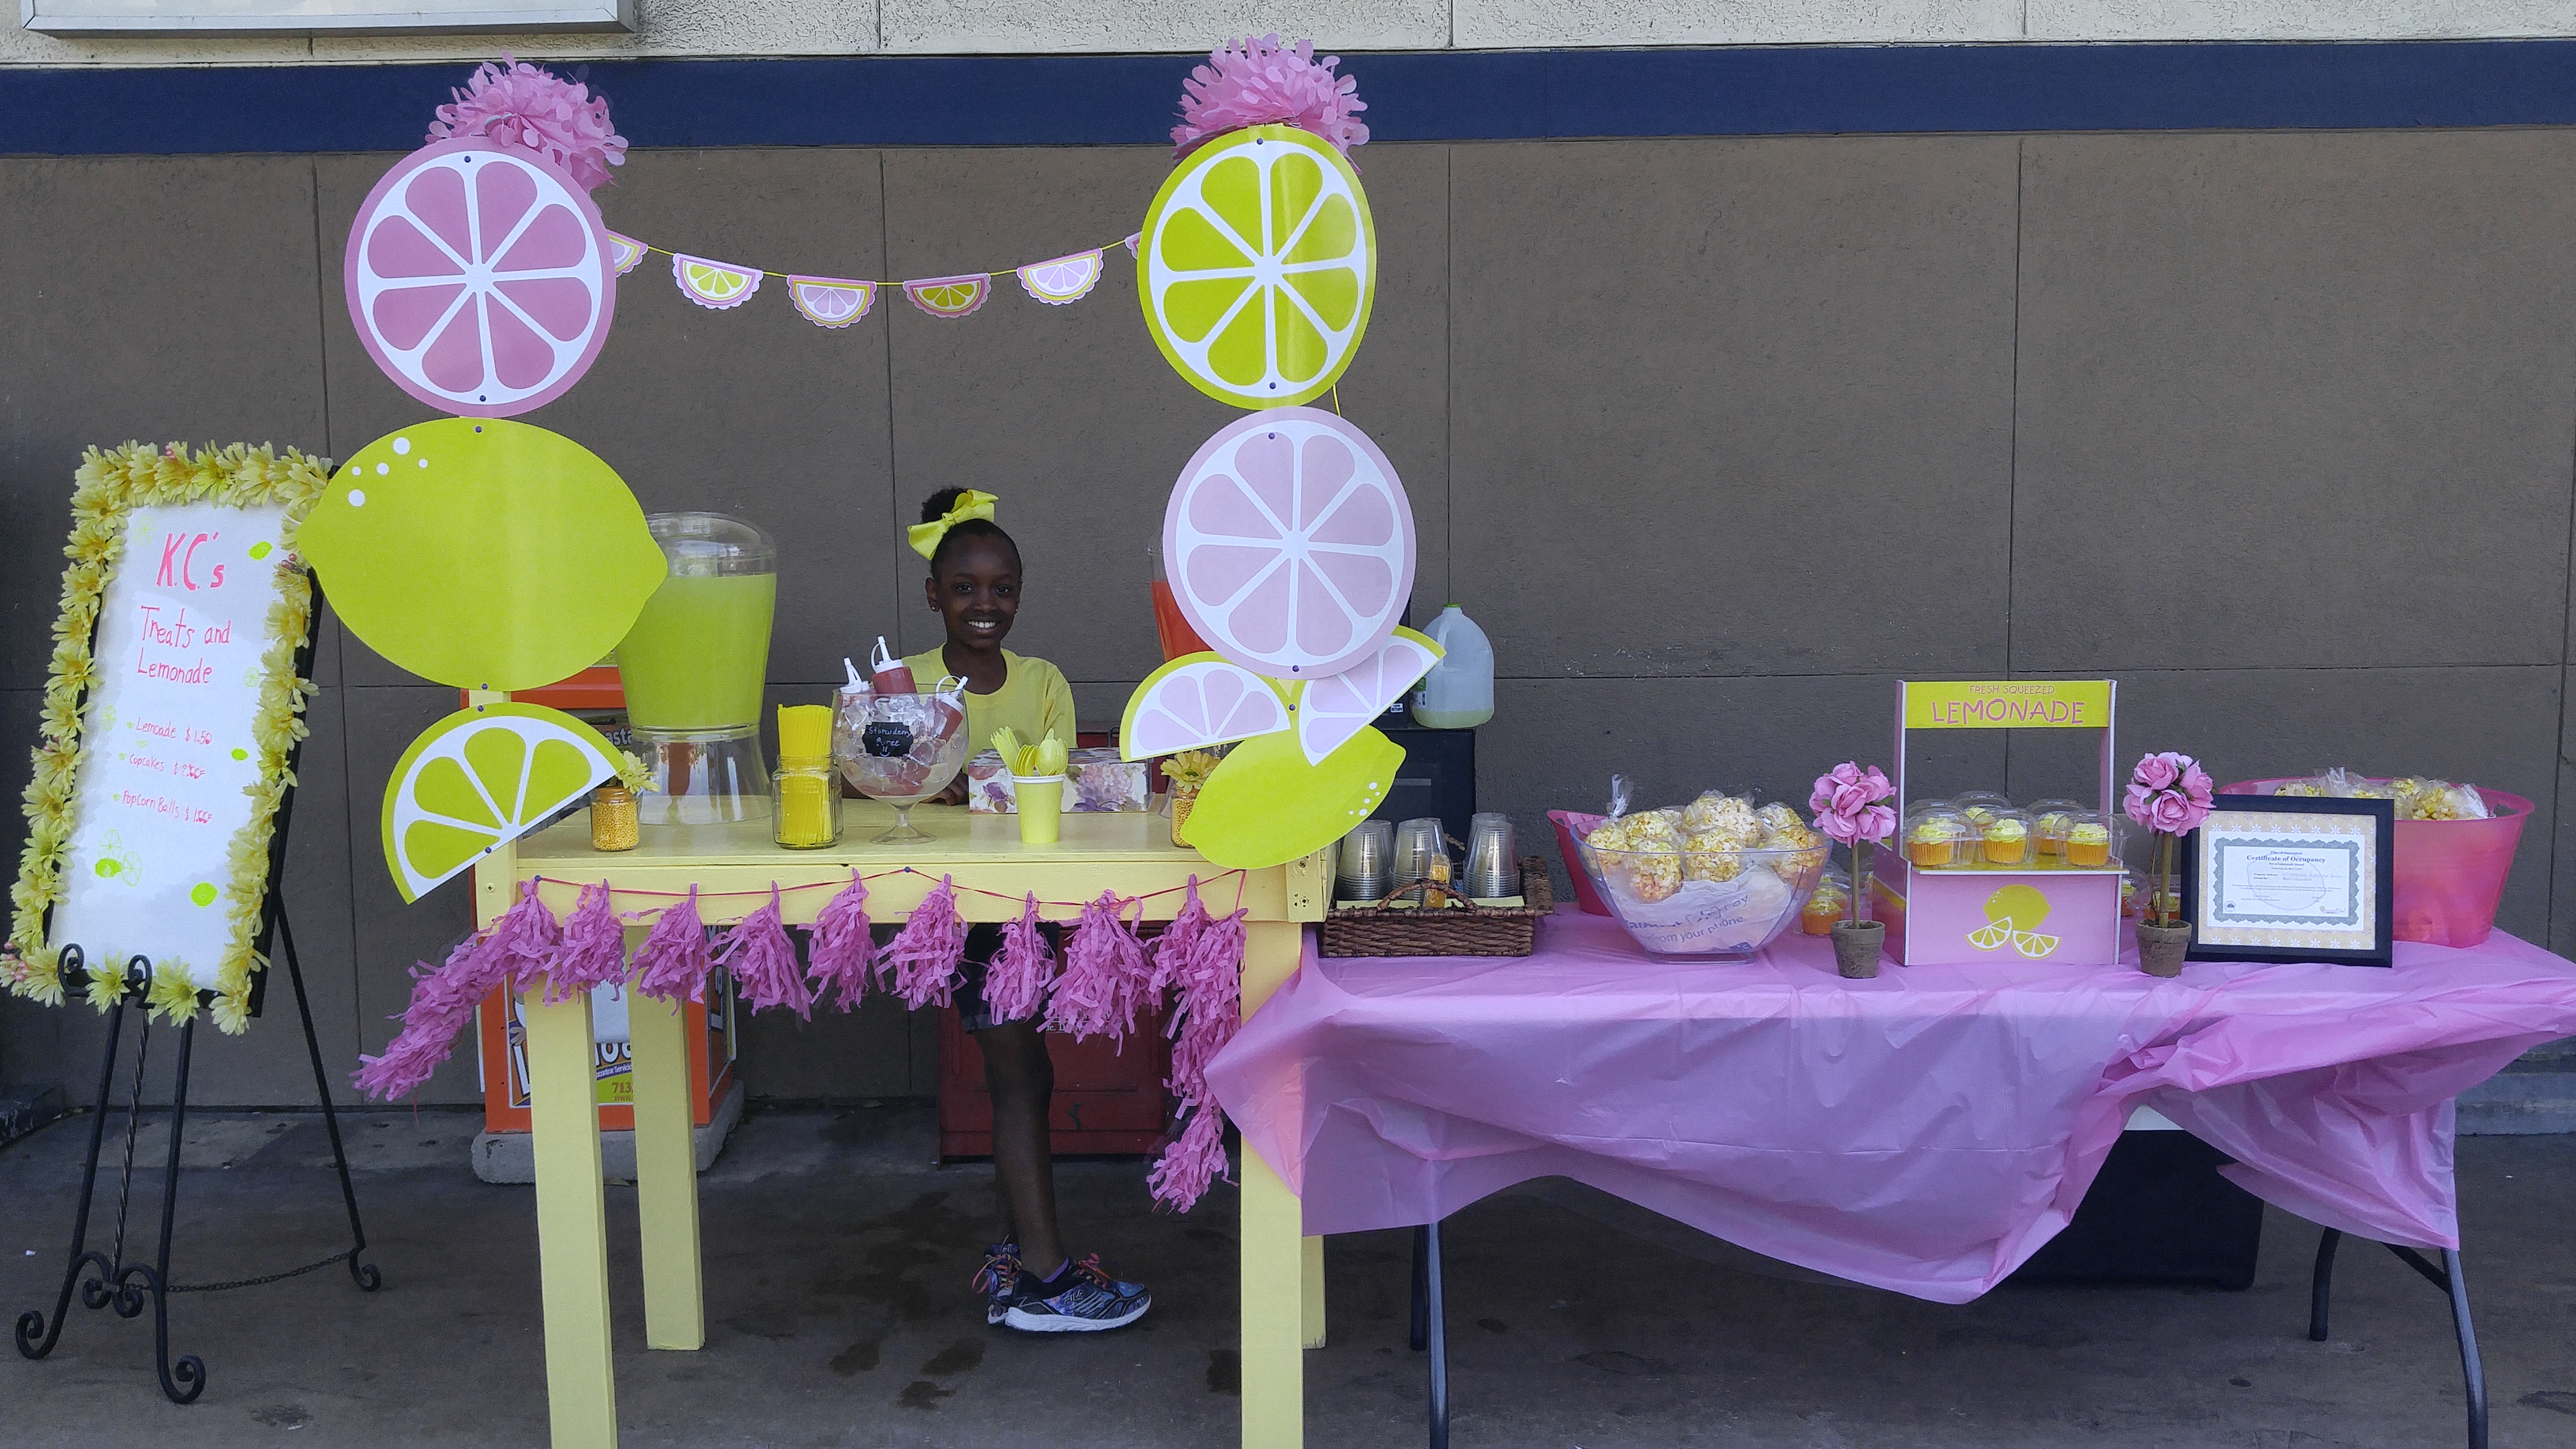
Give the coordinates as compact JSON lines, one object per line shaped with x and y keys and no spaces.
{"x":839,"y":1315}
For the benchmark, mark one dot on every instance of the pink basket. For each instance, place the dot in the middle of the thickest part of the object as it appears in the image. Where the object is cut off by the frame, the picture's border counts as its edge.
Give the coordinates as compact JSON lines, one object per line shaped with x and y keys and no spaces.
{"x":1567,"y":823}
{"x":2450,"y":873}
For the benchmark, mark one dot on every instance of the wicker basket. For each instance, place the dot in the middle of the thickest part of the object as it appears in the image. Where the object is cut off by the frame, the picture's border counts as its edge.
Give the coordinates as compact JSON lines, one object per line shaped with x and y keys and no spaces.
{"x":1467,"y":931}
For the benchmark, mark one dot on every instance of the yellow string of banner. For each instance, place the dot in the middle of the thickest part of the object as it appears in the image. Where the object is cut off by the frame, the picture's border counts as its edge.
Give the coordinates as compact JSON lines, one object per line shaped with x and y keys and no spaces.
{"x":840,"y":301}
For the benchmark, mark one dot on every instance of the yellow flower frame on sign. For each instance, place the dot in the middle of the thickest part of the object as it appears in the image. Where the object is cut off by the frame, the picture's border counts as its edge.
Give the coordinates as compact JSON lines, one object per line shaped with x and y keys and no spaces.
{"x":111,"y":484}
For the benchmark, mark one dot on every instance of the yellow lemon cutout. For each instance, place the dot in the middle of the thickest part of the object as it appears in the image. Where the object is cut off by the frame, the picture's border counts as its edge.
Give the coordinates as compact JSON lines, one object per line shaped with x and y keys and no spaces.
{"x":481,"y":777}
{"x":1257,"y":266}
{"x":482,"y":552}
{"x":2014,"y":914}
{"x":1266,"y":806}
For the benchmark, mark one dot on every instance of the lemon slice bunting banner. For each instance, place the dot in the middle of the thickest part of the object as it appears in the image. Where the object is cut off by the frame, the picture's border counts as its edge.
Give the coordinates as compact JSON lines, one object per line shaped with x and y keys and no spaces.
{"x":951,"y":297}
{"x":479,"y":779}
{"x":831,"y":301}
{"x":625,"y":251}
{"x":1062,"y":279}
{"x":716,"y":286}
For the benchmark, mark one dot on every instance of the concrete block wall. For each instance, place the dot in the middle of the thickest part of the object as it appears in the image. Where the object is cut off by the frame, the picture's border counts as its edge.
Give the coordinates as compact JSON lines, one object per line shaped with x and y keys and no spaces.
{"x":2277,"y":428}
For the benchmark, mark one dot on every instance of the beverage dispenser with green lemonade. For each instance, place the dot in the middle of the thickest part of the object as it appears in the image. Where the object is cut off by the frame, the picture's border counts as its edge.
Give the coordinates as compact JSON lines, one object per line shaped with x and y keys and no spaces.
{"x":692,"y":668}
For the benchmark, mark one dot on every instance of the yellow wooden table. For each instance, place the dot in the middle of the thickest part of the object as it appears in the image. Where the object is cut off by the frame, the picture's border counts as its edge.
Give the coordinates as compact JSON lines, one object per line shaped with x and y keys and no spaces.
{"x":733,"y":867}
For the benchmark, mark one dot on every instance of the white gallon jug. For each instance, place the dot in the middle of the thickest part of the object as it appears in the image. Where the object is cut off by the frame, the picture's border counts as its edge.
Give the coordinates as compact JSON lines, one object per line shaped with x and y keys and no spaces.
{"x":1458,"y":693}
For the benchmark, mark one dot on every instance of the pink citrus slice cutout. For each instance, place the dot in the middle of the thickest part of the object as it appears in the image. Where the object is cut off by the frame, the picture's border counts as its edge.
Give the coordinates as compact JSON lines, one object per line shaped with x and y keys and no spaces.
{"x":1289,"y":543}
{"x":1062,"y":279}
{"x":480,"y":278}
{"x":1338,"y":706}
{"x":831,"y":301}
{"x":1196,"y":701}
{"x":950,"y":297}
{"x":716,"y":286}
{"x":625,"y":251}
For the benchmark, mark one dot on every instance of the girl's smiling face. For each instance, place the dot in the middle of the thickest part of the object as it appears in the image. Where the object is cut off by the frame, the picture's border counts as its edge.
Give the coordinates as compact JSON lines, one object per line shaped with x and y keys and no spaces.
{"x":977,"y":592}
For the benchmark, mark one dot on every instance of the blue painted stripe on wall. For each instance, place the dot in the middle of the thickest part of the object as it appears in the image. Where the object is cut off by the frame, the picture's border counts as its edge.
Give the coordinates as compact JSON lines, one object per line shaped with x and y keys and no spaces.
{"x":1422,"y":96}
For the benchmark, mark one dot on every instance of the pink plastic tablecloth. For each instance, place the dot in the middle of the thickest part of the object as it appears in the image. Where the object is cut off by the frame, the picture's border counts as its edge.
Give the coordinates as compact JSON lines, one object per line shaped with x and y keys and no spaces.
{"x":1926,"y":1131}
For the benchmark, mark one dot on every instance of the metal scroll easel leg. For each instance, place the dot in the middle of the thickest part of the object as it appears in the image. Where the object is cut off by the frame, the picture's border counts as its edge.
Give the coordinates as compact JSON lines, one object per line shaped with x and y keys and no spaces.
{"x":36,"y":1334}
{"x":2447,"y":1276}
{"x":364,"y":1274}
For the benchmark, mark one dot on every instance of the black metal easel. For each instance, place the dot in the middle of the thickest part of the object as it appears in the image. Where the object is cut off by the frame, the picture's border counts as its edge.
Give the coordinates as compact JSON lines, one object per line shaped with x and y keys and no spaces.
{"x":126,"y":1284}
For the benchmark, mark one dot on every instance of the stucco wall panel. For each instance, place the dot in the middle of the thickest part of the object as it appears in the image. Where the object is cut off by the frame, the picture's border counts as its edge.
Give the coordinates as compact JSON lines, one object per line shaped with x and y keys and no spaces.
{"x":1531,"y":24}
{"x":2294,"y":400}
{"x":2295,"y":19}
{"x":1675,"y":359}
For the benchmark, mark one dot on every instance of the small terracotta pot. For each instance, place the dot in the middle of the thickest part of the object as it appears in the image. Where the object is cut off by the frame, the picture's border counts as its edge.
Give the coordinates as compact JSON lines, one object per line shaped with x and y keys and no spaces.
{"x":1857,"y":946}
{"x":2161,"y":948}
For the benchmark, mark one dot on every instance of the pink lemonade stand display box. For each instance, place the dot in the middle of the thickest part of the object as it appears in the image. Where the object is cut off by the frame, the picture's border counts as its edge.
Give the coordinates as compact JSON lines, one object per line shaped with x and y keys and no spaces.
{"x":2064,"y":915}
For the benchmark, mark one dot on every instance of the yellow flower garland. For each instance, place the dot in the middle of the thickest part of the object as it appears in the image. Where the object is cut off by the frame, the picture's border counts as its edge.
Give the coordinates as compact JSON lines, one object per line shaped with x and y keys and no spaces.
{"x":111,"y":484}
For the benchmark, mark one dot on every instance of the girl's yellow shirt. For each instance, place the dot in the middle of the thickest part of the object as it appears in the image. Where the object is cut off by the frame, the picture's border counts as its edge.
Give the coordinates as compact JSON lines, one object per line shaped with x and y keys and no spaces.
{"x":1033,"y":699}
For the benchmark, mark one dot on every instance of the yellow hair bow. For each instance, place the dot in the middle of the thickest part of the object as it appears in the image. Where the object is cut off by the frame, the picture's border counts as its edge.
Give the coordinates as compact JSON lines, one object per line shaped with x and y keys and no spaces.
{"x":970,"y":505}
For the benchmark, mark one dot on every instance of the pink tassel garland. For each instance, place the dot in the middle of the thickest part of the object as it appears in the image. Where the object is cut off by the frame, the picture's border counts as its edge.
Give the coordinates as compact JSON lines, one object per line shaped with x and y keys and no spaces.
{"x":442,"y":1003}
{"x":674,"y":961}
{"x":594,"y":948}
{"x":1191,"y":1162}
{"x":763,"y":961}
{"x":1106,"y":974}
{"x":1205,"y":962}
{"x":923,"y":957}
{"x":1016,"y":981}
{"x":840,"y":952}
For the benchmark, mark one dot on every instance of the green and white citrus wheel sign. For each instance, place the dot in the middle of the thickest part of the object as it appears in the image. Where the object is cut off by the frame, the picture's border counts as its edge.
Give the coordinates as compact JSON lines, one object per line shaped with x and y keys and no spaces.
{"x":480,"y":778}
{"x":1257,"y":265}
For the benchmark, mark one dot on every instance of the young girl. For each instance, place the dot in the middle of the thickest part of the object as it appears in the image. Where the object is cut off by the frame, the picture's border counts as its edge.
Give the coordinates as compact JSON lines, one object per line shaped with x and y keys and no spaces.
{"x":974,"y":587}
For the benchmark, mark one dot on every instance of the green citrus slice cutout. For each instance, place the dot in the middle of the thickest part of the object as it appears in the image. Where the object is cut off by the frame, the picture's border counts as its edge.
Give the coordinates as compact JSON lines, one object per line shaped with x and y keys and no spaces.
{"x":1257,"y":265}
{"x":1266,"y":806}
{"x":481,"y":778}
{"x":482,"y":553}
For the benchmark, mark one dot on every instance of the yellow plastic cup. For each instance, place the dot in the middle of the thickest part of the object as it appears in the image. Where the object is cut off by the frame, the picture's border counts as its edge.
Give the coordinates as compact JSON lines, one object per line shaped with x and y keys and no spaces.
{"x":1041,"y":804}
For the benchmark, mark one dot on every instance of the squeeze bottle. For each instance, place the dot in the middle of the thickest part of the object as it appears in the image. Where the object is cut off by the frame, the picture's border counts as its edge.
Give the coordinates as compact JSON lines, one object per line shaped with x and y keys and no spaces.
{"x":1458,"y":693}
{"x":892,"y":675}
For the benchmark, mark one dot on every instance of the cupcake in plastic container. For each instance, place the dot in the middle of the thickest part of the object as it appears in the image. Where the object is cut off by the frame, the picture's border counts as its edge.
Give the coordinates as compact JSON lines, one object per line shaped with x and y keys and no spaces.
{"x":1937,"y":836}
{"x":2088,"y":841}
{"x":2005,"y":840}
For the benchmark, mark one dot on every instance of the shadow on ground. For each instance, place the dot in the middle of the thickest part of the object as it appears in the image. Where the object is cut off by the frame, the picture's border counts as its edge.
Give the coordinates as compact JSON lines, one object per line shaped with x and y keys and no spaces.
{"x":839,"y":1314}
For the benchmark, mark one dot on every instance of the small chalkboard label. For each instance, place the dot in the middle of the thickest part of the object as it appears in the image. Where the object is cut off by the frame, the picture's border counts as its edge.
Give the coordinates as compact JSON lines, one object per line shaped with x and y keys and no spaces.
{"x":887,"y":739}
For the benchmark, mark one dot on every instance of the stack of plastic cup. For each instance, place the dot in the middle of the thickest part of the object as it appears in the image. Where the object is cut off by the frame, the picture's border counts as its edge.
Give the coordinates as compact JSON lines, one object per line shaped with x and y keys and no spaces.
{"x":1421,"y":852}
{"x":1493,"y":871}
{"x":1366,"y":861}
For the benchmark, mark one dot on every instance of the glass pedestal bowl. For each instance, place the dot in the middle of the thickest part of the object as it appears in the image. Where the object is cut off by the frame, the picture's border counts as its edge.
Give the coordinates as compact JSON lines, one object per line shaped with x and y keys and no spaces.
{"x":1723,"y":905}
{"x":901,"y":749}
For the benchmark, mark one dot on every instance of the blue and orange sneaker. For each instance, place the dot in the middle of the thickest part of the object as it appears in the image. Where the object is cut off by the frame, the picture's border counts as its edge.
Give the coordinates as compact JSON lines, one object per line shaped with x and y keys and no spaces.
{"x":1080,"y":1298}
{"x":998,"y":1279}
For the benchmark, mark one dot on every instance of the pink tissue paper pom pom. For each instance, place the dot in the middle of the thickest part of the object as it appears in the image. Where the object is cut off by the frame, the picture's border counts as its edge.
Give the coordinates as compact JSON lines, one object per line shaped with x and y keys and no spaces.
{"x":518,"y":104}
{"x":1260,"y":82}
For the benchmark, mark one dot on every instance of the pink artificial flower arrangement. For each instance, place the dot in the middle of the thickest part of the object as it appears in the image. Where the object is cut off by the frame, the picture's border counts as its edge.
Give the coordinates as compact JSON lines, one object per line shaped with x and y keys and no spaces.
{"x":518,"y":104}
{"x":2169,"y":793}
{"x":1262,"y":82}
{"x":1850,"y":810}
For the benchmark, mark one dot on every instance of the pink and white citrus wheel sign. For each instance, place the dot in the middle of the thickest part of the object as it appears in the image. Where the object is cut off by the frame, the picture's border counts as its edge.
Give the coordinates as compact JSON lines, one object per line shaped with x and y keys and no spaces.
{"x":1196,"y":701}
{"x":481,"y":279}
{"x":1290,"y":543}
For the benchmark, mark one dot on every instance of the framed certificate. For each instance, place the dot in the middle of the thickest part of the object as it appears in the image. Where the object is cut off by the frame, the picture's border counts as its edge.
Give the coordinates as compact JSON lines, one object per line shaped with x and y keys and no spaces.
{"x":2291,"y":878}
